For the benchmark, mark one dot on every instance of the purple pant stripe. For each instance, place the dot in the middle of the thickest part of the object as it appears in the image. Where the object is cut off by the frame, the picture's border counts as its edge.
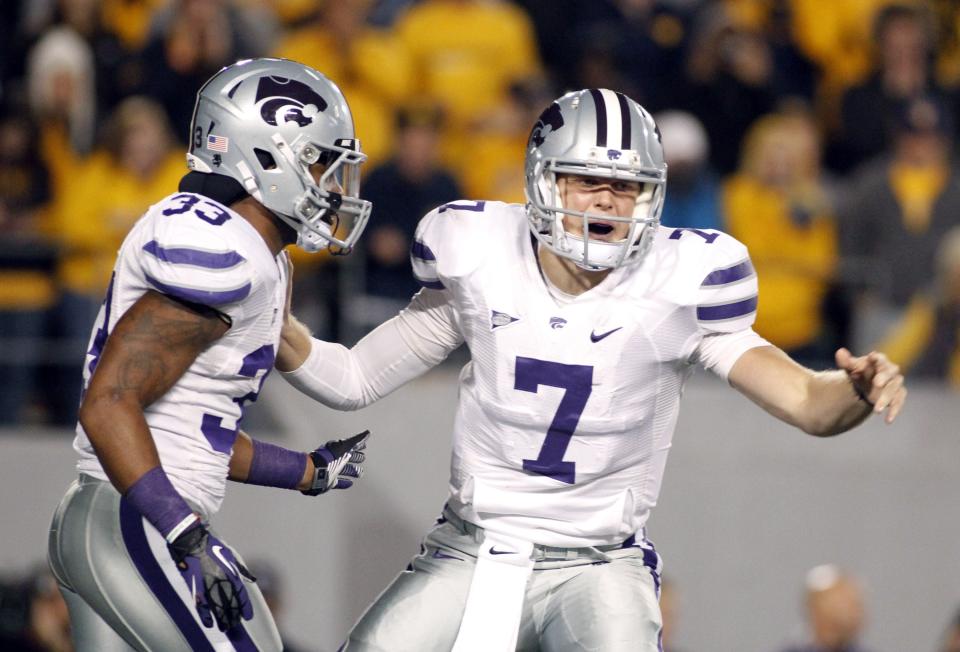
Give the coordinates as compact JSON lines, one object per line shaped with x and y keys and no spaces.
{"x":241,"y":639}
{"x":135,"y":540}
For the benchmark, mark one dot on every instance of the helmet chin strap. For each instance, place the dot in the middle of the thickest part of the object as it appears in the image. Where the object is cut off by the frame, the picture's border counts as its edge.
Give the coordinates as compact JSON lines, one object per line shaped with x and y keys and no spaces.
{"x":310,"y":241}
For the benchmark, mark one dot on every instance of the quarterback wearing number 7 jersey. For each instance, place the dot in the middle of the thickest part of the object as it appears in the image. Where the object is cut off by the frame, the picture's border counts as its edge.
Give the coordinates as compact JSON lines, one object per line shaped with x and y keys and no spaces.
{"x":583,"y":317}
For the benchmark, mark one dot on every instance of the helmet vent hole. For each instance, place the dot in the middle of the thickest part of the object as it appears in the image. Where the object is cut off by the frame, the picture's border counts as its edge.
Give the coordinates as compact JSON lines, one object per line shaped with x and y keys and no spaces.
{"x":267,"y":162}
{"x":234,"y":89}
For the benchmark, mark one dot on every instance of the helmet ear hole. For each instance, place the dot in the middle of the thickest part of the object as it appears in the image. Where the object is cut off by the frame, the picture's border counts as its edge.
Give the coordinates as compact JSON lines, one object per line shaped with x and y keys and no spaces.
{"x":267,"y":162}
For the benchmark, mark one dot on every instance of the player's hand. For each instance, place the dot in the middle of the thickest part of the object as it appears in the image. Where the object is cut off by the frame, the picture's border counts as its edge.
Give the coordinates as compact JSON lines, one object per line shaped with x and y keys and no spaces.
{"x":214,"y":576}
{"x":876,"y":379}
{"x":337,"y":463}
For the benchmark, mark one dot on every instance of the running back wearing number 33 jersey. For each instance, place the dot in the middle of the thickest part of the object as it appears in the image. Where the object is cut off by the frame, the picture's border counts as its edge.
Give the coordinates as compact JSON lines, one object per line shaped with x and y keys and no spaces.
{"x":194,"y":249}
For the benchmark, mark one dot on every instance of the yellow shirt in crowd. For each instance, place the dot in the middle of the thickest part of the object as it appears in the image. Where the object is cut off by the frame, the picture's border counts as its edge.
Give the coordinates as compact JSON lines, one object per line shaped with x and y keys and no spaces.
{"x":99,"y":204}
{"x":793,"y":262}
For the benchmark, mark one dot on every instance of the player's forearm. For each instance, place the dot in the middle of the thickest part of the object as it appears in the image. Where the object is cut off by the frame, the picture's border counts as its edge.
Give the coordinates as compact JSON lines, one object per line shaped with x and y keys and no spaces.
{"x":350,"y":379}
{"x":118,"y":432}
{"x":833,"y":405}
{"x":819,"y":403}
{"x":283,"y":472}
{"x":295,"y":345}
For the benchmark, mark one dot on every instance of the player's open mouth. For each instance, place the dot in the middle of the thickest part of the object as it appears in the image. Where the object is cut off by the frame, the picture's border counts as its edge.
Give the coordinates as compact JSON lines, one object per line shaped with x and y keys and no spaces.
{"x":600,"y":228}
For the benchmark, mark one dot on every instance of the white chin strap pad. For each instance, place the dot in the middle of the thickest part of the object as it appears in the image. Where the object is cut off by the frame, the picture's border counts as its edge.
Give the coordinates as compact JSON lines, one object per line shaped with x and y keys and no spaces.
{"x":491,"y":619}
{"x":310,"y":241}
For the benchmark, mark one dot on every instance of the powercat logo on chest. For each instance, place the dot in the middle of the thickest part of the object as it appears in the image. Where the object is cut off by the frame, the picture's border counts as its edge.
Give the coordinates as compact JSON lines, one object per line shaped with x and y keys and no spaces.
{"x":287,"y":100}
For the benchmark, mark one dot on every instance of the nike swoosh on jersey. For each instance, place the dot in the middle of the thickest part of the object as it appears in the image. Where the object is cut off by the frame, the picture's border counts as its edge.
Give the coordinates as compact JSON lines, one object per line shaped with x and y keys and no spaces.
{"x":442,"y":555}
{"x":596,"y":338}
{"x":493,"y":551}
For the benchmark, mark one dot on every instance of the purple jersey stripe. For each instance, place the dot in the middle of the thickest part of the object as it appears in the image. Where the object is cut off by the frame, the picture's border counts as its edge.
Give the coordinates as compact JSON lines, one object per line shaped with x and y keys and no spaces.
{"x":727,"y":310}
{"x":205,"y":297}
{"x":433,"y":285}
{"x":135,"y":540}
{"x":196,"y":257}
{"x":422,"y":251}
{"x":730,"y":274}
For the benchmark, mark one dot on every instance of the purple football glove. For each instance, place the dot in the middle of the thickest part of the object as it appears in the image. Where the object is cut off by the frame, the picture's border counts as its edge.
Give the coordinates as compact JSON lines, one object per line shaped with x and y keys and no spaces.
{"x":214,"y":577}
{"x":337,"y":463}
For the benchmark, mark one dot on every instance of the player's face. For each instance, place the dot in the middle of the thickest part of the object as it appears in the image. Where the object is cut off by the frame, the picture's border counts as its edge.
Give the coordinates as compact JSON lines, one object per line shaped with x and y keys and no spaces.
{"x":331,"y":184}
{"x":598,"y":196}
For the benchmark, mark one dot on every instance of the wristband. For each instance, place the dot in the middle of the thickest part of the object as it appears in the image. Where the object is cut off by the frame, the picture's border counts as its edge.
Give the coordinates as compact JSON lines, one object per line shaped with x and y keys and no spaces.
{"x":155,"y":498}
{"x":274,"y":466}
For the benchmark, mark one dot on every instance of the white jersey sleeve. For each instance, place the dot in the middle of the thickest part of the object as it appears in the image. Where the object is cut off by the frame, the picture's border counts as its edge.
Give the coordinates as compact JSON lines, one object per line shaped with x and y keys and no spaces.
{"x":726,"y":304}
{"x":727,"y":297}
{"x":397,"y":351}
{"x":394,"y":353}
{"x":189,"y":258}
{"x":448,"y":245}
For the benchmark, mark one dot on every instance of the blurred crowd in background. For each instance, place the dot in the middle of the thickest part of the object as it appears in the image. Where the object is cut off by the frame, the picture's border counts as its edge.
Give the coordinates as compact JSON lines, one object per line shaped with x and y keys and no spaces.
{"x":821,"y":134}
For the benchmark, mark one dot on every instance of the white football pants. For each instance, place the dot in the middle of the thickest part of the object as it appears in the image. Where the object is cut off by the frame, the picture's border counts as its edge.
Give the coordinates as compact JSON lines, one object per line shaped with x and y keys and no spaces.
{"x":599,"y":599}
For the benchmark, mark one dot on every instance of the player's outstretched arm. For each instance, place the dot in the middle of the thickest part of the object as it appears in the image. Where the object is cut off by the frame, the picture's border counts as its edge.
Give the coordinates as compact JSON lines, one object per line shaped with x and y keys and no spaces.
{"x":335,"y":465}
{"x":394,"y":353}
{"x":821,"y":403}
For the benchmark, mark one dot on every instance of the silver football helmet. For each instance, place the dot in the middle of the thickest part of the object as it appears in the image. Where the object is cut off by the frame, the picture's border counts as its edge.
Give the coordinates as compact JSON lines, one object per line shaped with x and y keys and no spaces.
{"x":594,"y":133}
{"x":264,"y":123}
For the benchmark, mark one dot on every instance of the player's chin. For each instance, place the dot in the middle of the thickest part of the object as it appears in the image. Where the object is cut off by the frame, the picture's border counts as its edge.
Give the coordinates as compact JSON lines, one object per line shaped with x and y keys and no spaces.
{"x":608,"y":238}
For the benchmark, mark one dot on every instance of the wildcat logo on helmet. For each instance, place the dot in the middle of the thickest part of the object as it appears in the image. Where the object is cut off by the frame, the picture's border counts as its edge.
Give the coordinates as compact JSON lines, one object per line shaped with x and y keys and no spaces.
{"x":287,"y":100}
{"x":552,"y":117}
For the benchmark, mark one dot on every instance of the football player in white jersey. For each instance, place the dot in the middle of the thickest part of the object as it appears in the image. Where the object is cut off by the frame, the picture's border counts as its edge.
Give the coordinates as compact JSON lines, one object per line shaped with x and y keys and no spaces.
{"x":185,"y":338}
{"x":583,"y":317}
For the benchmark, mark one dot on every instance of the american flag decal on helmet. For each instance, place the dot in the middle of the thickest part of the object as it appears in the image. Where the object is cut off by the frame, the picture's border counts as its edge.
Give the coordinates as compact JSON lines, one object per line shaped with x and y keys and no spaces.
{"x":218,"y":143}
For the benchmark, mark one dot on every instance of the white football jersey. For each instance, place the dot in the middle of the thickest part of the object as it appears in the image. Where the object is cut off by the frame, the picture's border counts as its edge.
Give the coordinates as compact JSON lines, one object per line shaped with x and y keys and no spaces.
{"x":195,"y":249}
{"x":568,"y":408}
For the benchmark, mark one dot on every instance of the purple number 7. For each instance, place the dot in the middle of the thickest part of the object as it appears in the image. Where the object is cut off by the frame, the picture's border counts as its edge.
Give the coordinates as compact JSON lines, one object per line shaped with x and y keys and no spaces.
{"x":577,"y":380}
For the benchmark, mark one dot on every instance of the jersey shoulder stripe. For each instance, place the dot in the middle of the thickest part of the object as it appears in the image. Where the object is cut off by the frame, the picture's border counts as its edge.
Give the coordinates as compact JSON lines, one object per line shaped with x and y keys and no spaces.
{"x":736,"y":273}
{"x":197,"y":250}
{"x":727,"y":310}
{"x":726,"y":295}
{"x":218,"y":260}
{"x":457,"y":237}
{"x":200,"y":295}
{"x":424,"y":263}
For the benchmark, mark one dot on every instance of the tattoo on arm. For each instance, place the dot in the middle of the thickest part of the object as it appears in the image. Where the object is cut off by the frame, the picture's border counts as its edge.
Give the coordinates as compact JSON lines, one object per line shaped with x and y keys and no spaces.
{"x":153,"y":344}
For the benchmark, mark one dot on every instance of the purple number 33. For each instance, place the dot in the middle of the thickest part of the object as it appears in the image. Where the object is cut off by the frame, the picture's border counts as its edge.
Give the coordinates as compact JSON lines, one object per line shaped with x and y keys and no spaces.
{"x":577,"y":380}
